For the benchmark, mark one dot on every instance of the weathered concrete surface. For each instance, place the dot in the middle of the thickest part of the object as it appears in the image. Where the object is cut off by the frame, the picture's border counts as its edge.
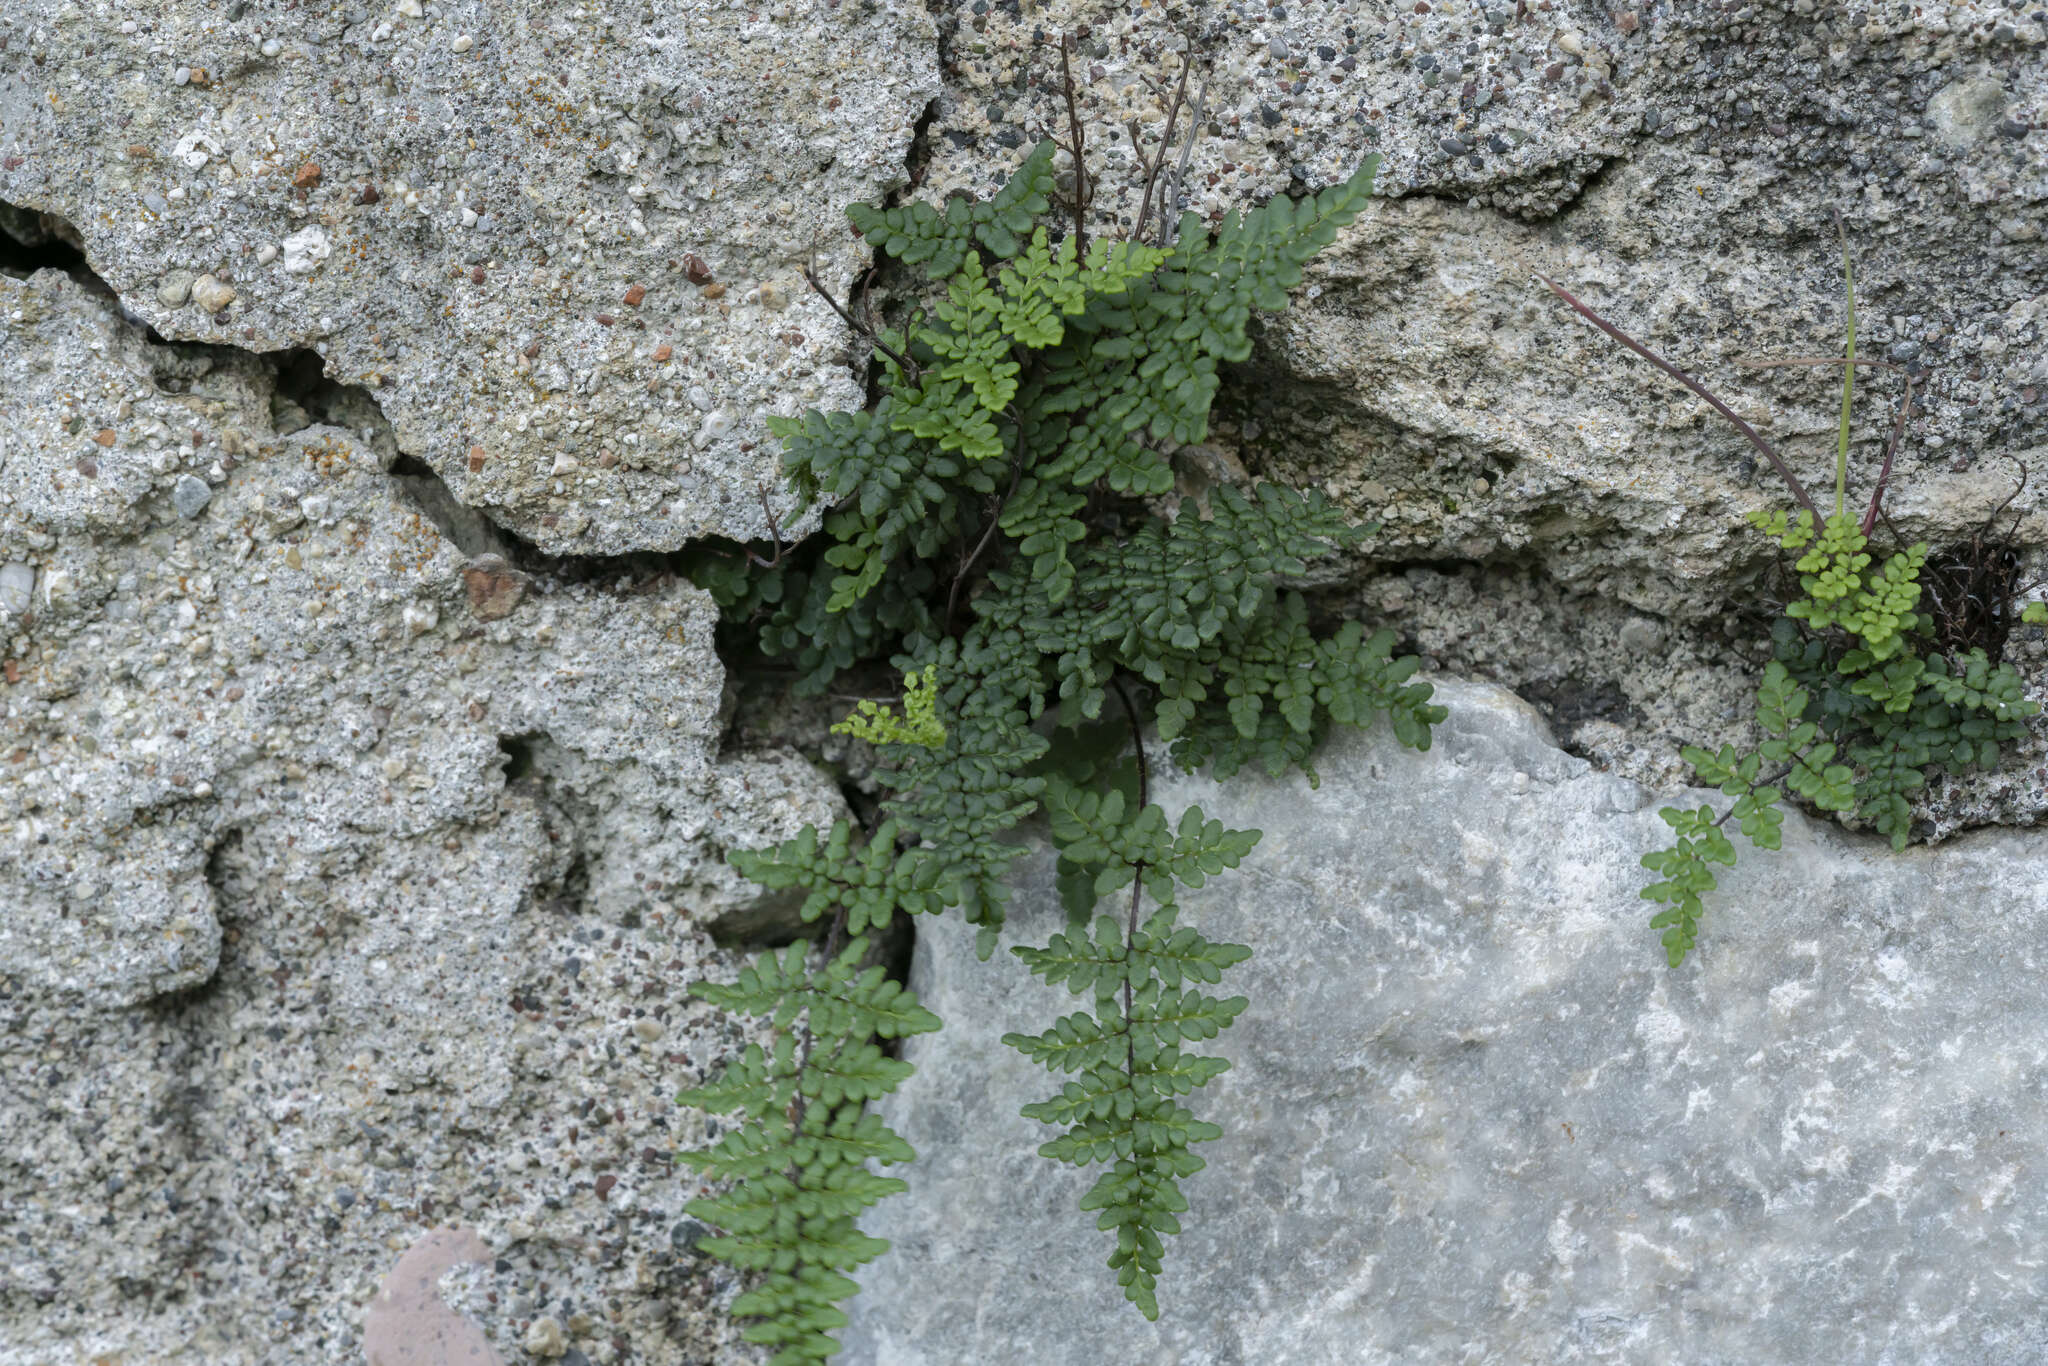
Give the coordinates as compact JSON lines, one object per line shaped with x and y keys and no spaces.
{"x":288,"y":935}
{"x":289,"y":971}
{"x":1677,"y":165}
{"x":564,"y":244}
{"x":1473,"y":1117}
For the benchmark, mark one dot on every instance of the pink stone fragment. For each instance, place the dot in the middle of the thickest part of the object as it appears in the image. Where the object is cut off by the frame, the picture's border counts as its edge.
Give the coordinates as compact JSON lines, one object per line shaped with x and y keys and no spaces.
{"x":408,"y":1325}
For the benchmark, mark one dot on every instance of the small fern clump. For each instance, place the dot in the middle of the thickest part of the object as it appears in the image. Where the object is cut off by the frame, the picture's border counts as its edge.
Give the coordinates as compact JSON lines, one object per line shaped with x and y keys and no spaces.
{"x":1856,"y":705}
{"x":999,"y":528}
{"x":1862,"y":697}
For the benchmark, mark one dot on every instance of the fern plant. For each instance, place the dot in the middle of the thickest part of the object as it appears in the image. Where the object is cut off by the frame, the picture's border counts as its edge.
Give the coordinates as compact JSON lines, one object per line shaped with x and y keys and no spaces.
{"x":999,"y":527}
{"x":1861,"y":699}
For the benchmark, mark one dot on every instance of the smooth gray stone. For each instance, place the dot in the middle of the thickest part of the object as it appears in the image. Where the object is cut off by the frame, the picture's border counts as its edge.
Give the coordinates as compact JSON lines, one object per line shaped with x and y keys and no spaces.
{"x":1473,"y":1117}
{"x":190,"y":495}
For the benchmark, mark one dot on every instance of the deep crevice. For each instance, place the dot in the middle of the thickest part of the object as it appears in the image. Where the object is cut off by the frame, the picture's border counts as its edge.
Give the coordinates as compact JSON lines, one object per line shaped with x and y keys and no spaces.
{"x":31,"y":241}
{"x":305,"y":395}
{"x":518,"y":752}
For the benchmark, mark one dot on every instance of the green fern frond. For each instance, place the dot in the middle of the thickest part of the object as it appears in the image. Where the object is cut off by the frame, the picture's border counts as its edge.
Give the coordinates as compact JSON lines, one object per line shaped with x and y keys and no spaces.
{"x":987,"y":530}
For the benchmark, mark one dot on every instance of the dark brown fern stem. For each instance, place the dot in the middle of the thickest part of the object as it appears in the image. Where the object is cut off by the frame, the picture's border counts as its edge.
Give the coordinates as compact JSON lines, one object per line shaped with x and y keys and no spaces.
{"x":1074,"y":133}
{"x":1769,"y":452}
{"x":1180,"y":92}
{"x":1137,"y":870}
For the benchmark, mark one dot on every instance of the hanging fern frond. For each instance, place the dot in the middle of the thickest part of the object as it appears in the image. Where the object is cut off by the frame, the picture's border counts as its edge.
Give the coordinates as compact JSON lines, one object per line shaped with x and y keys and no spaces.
{"x":986,"y":533}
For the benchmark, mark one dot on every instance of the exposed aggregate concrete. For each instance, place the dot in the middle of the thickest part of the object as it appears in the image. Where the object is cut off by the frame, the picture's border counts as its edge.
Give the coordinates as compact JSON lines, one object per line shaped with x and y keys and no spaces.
{"x":564,"y":244}
{"x":292,"y":973}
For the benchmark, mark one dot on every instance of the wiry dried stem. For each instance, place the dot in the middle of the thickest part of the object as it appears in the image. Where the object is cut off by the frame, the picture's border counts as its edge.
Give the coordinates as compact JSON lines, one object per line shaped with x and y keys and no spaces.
{"x":1769,"y":452}
{"x":1075,"y":136}
{"x":1891,"y":449}
{"x":903,"y":362}
{"x":1180,"y":91}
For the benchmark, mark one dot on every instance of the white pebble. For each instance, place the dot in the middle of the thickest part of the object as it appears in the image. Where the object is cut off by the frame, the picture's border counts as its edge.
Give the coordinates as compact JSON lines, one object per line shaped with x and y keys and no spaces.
{"x":463,"y":42}
{"x":716,"y":427}
{"x":271,"y":47}
{"x":265,"y":254}
{"x":195,"y":149}
{"x":468,"y":216}
{"x":305,"y":249}
{"x":182,"y":76}
{"x":410,"y":8}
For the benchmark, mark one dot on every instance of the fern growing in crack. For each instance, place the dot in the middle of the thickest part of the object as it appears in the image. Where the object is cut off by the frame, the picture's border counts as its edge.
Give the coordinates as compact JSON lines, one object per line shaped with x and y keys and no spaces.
{"x":1865,"y":694}
{"x":1000,"y":527}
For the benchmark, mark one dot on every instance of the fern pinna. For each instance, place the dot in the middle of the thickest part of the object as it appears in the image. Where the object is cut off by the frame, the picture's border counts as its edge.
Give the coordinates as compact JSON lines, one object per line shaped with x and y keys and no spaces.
{"x":1000,"y":527}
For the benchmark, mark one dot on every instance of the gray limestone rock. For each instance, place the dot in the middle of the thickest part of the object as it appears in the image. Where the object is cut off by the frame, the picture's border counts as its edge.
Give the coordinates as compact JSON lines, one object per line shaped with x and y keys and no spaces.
{"x":1472,"y":1116}
{"x":495,"y":216}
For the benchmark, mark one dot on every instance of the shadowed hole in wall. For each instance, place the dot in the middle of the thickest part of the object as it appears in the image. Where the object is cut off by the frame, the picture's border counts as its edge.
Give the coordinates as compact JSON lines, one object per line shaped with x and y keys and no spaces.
{"x":31,"y":241}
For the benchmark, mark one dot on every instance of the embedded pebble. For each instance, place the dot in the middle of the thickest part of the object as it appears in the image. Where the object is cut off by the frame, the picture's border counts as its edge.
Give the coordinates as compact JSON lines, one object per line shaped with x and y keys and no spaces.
{"x":190,"y":496}
{"x":463,"y":42}
{"x":17,"y":587}
{"x":211,"y":294}
{"x":716,"y":426}
{"x":195,"y":149}
{"x":175,"y":289}
{"x":266,"y":253}
{"x":305,"y":249}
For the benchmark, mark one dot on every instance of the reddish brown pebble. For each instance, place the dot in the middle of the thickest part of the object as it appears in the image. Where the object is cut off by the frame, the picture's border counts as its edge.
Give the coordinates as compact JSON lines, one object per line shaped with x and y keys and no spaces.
{"x":369,"y":195}
{"x":494,"y":587}
{"x":106,"y":436}
{"x":307,"y":176}
{"x":88,"y":467}
{"x":1421,"y":8}
{"x":714,"y":291}
{"x":476,"y":711}
{"x":607,"y":460}
{"x":606,"y":319}
{"x":605,"y":1184}
{"x":9,"y":163}
{"x":476,"y":275}
{"x":138,"y":152}
{"x":695,"y":270}
{"x":531,"y":351}
{"x":1555,"y":71}
{"x":13,"y":667}
{"x":634,"y":296}
{"x":234,"y":694}
{"x":663,"y":352}
{"x":476,"y":459}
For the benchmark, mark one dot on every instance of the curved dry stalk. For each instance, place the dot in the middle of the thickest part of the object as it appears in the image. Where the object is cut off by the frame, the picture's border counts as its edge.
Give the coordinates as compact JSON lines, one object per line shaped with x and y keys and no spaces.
{"x":1769,"y":452}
